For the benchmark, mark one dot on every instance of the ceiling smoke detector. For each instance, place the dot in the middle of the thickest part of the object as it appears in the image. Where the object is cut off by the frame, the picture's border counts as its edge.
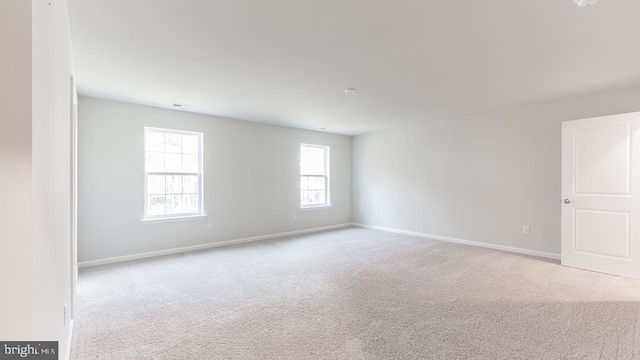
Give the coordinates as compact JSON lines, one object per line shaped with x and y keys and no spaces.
{"x":585,"y":3}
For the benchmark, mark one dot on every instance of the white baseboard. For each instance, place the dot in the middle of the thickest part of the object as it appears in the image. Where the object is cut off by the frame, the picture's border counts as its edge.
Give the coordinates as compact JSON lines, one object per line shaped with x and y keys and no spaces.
{"x":67,"y":355}
{"x":464,"y":242}
{"x":118,"y":259}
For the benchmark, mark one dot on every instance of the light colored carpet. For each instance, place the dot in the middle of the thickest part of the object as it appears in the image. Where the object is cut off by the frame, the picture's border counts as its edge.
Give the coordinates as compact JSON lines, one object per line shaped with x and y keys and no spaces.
{"x":353,"y":294}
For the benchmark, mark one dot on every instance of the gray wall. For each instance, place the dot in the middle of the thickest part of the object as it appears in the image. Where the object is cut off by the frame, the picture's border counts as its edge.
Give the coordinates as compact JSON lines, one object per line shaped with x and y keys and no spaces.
{"x":51,"y":134}
{"x":478,"y":178}
{"x":251,"y":185}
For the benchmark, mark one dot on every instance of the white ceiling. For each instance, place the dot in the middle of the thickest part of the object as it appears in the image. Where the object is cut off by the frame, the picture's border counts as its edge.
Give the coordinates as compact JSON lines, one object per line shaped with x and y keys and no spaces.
{"x":287,"y":62}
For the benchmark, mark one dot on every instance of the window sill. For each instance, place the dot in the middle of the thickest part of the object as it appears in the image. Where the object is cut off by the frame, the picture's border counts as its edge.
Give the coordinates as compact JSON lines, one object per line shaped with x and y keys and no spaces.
{"x":317,"y":207}
{"x":172,"y":219}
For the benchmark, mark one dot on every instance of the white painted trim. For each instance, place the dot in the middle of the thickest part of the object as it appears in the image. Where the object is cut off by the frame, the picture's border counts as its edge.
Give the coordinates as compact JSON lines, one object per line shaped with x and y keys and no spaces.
{"x":160,"y":220}
{"x":317,"y":207}
{"x":118,"y":259}
{"x":464,"y":242}
{"x":200,"y":174}
{"x":67,"y":355}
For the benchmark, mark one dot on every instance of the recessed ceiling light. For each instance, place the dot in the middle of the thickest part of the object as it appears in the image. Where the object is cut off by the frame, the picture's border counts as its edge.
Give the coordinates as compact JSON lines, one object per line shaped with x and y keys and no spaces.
{"x":350,"y":90}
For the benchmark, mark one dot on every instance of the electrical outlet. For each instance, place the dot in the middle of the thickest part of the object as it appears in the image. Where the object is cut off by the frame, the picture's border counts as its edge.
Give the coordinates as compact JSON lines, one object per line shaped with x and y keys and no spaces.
{"x":210,"y":226}
{"x":526,"y":230}
{"x":381,"y":213}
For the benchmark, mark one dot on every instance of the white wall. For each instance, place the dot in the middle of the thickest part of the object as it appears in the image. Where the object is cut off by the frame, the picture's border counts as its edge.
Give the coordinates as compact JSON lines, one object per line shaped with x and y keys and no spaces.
{"x":34,"y":163}
{"x":51,"y":164}
{"x":251,"y":181}
{"x":15,"y":169}
{"x":478,"y":178}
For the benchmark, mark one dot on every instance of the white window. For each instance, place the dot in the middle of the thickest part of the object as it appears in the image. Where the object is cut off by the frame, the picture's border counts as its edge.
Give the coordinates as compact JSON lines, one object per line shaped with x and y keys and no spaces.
{"x":173,"y":173}
{"x":314,"y":175}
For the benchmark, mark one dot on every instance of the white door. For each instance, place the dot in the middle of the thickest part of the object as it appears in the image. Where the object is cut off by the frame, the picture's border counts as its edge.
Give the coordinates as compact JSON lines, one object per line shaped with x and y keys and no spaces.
{"x":601,"y":194}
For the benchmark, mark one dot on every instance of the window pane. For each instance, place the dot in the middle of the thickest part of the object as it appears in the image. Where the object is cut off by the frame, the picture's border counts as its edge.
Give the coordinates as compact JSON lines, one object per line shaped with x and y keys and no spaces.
{"x":173,"y":162}
{"x":312,"y":160}
{"x":155,"y":205}
{"x":190,"y":184}
{"x":190,"y":163}
{"x":190,"y":144}
{"x":303,"y":159}
{"x":313,"y":190}
{"x":316,"y":168}
{"x":155,"y":184}
{"x":313,"y":183}
{"x":190,"y":203}
{"x":321,"y":197}
{"x":315,"y":154}
{"x":174,"y":184}
{"x":154,"y":141}
{"x":174,"y":204}
{"x":154,"y":162}
{"x":172,"y":143}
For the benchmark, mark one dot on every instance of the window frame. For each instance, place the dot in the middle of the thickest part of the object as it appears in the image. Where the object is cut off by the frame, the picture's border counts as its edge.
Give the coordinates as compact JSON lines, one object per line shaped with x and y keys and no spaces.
{"x":326,"y":176}
{"x":179,"y":216}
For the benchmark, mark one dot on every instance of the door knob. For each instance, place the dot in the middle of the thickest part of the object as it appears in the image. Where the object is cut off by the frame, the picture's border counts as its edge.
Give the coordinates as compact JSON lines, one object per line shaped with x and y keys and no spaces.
{"x":566,"y":201}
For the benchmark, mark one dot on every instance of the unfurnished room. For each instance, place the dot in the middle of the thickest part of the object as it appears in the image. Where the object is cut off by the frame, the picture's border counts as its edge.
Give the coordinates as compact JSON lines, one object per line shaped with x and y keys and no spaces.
{"x":206,"y":179}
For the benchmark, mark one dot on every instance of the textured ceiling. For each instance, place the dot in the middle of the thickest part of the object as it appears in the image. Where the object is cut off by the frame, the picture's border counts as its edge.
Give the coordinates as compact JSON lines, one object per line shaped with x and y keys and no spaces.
{"x":287,"y":62}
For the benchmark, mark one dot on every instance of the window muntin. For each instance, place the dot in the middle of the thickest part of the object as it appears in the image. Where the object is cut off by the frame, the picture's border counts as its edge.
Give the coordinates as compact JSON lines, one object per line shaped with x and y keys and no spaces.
{"x":173,"y":173}
{"x":314,"y":175}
